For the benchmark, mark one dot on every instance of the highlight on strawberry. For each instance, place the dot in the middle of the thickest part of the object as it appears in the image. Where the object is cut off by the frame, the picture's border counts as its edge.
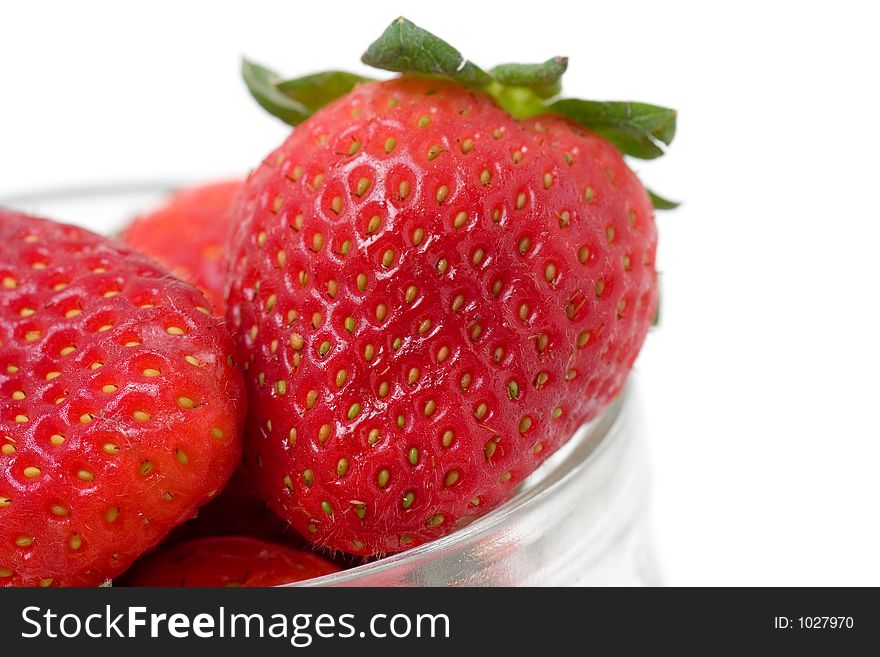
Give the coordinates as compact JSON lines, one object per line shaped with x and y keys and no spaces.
{"x":434,"y":281}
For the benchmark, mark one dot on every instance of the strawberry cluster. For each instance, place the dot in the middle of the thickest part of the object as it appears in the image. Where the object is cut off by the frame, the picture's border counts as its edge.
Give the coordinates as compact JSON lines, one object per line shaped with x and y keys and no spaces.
{"x":427,"y":288}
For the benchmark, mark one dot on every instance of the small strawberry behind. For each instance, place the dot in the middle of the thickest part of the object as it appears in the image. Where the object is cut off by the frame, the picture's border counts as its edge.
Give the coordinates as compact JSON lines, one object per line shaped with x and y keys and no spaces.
{"x":229,"y":561}
{"x":188,"y":236}
{"x":435,"y":280}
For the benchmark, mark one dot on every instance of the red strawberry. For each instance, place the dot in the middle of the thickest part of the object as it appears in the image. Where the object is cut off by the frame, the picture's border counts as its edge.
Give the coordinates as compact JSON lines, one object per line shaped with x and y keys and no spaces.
{"x":228,"y":561}
{"x":430,"y":297}
{"x":188,"y":234}
{"x":119,"y":413}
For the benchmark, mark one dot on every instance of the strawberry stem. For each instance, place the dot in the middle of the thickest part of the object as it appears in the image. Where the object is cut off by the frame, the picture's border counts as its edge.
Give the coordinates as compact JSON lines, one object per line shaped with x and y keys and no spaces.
{"x":544,"y":79}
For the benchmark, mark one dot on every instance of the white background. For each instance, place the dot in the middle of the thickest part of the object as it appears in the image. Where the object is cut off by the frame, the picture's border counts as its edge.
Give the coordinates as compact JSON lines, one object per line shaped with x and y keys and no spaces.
{"x":759,"y":388}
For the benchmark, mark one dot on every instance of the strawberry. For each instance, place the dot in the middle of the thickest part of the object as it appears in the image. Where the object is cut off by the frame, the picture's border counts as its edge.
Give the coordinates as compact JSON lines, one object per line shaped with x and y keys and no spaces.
{"x":187,"y":236}
{"x":227,"y":561}
{"x":119,"y":411}
{"x":434,"y":282}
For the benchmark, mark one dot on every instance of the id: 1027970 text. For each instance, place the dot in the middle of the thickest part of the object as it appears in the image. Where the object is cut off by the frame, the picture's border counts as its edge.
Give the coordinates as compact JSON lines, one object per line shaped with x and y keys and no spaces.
{"x":813,"y":623}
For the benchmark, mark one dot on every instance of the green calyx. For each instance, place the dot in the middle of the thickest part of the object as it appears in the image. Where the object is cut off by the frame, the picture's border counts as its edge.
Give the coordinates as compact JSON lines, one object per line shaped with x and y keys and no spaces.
{"x":406,"y":48}
{"x":293,"y":101}
{"x":661,"y":203}
{"x":638,"y":130}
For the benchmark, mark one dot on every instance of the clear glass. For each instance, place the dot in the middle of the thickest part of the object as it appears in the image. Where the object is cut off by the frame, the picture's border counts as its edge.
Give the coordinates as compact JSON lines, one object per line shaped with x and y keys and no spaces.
{"x":579,"y":520}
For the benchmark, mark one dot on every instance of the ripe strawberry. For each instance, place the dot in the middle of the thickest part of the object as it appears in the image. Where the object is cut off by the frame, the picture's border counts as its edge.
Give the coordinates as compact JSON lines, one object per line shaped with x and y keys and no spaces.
{"x":188,"y":234}
{"x":119,"y":413}
{"x":430,"y":296}
{"x":228,"y":561}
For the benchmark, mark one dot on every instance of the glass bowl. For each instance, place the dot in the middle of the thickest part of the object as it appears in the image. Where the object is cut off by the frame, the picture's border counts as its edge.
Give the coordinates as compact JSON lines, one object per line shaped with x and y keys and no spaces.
{"x":581,"y":519}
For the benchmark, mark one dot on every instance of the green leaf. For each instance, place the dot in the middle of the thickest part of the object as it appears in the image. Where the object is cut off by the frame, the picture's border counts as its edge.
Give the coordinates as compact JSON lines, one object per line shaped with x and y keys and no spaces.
{"x":544,"y":79}
{"x":313,"y":92}
{"x":261,"y":82}
{"x":406,"y":48}
{"x":661,"y":203}
{"x":655,"y":321}
{"x":637,"y":129}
